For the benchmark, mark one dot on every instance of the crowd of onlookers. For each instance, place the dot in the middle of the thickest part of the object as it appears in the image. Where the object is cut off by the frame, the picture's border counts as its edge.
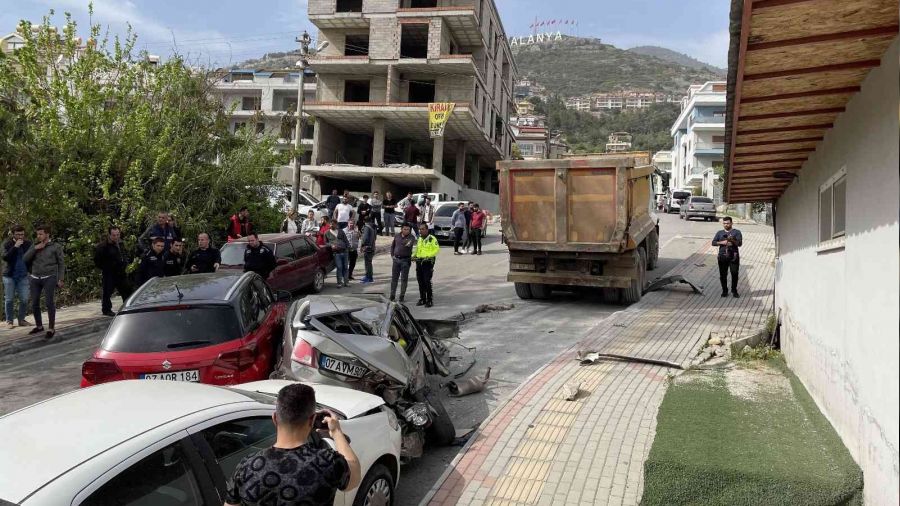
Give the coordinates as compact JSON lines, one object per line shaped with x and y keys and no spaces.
{"x":32,"y":270}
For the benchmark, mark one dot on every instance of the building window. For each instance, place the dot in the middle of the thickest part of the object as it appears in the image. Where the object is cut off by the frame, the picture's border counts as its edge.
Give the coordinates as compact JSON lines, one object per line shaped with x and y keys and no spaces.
{"x":250,"y":103}
{"x":239,"y":125}
{"x":833,"y":209}
{"x":260,"y":128}
{"x":356,"y":91}
{"x":348,"y":6}
{"x":718,"y":139}
{"x":526,"y":149}
{"x":356,"y":45}
{"x":414,"y":40}
{"x":421,"y":91}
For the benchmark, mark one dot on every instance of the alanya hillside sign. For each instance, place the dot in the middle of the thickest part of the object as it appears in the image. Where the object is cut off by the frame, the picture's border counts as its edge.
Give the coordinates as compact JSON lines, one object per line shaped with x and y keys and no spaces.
{"x":536,"y":38}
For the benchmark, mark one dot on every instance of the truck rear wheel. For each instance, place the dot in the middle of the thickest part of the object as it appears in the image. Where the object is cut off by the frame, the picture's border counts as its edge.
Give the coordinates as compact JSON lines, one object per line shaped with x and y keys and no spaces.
{"x":540,"y":291}
{"x":633,"y":293}
{"x":652,"y":250}
{"x":523,"y":290}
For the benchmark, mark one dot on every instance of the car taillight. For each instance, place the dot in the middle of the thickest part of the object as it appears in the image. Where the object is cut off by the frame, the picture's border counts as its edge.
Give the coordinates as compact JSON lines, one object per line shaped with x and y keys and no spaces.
{"x":304,"y":353}
{"x":239,"y":359}
{"x":100,"y":370}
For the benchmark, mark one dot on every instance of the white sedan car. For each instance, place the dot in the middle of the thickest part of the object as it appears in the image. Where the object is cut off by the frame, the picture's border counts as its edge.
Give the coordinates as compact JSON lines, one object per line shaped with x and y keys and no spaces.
{"x":170,"y":443}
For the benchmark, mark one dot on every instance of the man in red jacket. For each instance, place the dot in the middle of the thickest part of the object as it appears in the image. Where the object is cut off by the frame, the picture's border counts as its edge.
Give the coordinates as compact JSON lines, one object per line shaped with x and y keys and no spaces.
{"x":479,"y":220}
{"x":239,"y":224}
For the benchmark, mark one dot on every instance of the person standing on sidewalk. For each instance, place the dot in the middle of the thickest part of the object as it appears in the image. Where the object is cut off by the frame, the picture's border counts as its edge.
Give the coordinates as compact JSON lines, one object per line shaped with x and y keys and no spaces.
{"x":324,"y":227}
{"x":401,"y":256}
{"x":425,"y":255}
{"x":337,"y":241}
{"x":428,"y":214}
{"x":468,"y":235}
{"x":239,"y":225}
{"x":458,"y":225}
{"x":343,"y":213}
{"x":174,"y":259}
{"x":109,"y":257}
{"x":729,"y":240}
{"x":352,"y":234}
{"x":479,"y":220}
{"x":389,"y":205}
{"x":332,"y":202}
{"x":48,"y":268}
{"x":152,"y":265}
{"x":377,"y":204}
{"x":367,"y":248}
{"x":289,"y":224}
{"x":362,"y":211}
{"x":15,"y":276}
{"x":205,"y":258}
{"x":258,"y":257}
{"x":411,"y":215}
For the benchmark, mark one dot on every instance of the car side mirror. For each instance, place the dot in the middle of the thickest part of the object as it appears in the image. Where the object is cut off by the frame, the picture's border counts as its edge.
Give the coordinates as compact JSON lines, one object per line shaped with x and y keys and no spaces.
{"x":283,"y":296}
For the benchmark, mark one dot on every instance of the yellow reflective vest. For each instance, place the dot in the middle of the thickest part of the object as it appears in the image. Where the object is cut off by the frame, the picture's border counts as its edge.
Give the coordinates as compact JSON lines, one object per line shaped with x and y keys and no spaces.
{"x":427,"y":247}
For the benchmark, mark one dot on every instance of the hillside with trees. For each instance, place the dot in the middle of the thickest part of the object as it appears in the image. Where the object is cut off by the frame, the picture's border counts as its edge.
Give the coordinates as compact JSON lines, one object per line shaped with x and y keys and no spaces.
{"x":671,"y":56}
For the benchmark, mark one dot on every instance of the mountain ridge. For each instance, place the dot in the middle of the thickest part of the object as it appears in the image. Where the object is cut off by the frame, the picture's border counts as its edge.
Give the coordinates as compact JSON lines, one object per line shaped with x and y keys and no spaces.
{"x":672,"y":56}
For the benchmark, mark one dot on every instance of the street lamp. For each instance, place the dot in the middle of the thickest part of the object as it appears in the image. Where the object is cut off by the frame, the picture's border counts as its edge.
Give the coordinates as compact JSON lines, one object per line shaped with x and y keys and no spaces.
{"x":304,"y":41}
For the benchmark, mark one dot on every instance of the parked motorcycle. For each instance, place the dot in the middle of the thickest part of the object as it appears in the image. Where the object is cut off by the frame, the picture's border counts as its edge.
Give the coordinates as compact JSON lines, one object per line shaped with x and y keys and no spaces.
{"x":374,"y":345}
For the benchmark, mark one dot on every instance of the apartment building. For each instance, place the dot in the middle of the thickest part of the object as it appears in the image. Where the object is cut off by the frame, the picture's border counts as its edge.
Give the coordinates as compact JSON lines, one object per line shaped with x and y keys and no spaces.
{"x":11,"y":42}
{"x":604,"y":102}
{"x":582,"y":104}
{"x":266,"y":102}
{"x":698,"y":149}
{"x":385,"y":61}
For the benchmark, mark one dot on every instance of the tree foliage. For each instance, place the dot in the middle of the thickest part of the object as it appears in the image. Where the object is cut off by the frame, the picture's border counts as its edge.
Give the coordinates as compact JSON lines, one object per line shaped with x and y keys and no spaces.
{"x":92,"y":135}
{"x":588,"y":134}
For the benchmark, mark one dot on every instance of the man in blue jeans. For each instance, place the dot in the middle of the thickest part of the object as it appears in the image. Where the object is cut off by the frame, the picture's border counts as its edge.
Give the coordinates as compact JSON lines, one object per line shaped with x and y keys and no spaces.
{"x":340,"y":245}
{"x":15,"y":276}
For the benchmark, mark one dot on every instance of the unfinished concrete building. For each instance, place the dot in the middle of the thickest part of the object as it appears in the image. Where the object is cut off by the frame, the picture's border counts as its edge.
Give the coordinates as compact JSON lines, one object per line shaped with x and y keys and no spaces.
{"x":384,"y":62}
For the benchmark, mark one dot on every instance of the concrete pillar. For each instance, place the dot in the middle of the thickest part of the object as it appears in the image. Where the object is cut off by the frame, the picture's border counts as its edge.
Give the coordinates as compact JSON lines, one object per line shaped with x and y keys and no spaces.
{"x":380,"y":184}
{"x":460,"y":162}
{"x":407,"y":152}
{"x":437,"y":155}
{"x":392,"y":93}
{"x":475,"y":179}
{"x":378,"y":143}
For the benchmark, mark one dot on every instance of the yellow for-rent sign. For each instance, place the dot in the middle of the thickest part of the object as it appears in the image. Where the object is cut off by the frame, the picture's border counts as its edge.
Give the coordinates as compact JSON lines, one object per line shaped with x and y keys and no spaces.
{"x":438,"y":115}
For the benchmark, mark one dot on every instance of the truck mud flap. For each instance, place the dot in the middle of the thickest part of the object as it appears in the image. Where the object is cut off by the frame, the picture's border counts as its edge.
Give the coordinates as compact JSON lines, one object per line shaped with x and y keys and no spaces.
{"x":668,"y":280}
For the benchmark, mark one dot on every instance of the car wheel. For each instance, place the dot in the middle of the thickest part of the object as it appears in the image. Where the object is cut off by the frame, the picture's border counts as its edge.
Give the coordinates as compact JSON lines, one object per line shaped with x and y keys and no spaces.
{"x":318,"y":281}
{"x":376,"y":489}
{"x":441,"y":432}
{"x":523,"y":290}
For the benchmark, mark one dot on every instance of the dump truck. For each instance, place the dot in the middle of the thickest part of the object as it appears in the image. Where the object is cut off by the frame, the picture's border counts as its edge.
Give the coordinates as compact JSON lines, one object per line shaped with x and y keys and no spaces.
{"x":580,"y":222}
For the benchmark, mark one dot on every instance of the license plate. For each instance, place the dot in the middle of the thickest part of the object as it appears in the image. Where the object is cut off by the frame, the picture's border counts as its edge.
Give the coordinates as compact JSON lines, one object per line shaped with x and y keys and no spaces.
{"x":192,"y":375}
{"x":341,"y":367}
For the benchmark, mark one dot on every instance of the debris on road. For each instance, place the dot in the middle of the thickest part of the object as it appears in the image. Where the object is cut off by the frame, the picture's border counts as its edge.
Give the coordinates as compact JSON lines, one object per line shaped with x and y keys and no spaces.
{"x":589,"y":357}
{"x":570,"y":390}
{"x":470,"y":385}
{"x":668,"y":280}
{"x":489,"y":308}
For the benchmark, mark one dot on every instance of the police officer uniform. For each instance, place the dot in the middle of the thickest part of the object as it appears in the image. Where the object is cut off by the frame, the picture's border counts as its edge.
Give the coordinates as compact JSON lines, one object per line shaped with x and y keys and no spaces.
{"x":260,"y":260}
{"x":427,"y":248}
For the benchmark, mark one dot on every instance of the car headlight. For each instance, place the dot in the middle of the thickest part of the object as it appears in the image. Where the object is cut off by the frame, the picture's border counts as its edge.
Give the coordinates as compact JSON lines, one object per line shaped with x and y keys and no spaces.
{"x":417,"y":414}
{"x":392,"y":418}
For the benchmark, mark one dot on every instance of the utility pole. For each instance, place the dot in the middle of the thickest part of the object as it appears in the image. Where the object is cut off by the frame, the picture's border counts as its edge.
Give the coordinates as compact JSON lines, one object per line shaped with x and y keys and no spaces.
{"x":304,"y":41}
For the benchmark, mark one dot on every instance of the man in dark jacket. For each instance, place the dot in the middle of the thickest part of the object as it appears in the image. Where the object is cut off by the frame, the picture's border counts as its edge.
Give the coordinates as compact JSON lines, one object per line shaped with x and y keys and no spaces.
{"x":258,"y":257}
{"x":367,"y":247}
{"x":152,"y":265}
{"x":363,"y":210}
{"x":15,"y":275}
{"x":205,"y":258}
{"x":162,"y":228}
{"x":174,"y":259}
{"x":729,"y":240}
{"x":109,"y":257}
{"x":401,"y":254}
{"x":239,"y":225}
{"x":332,"y":202}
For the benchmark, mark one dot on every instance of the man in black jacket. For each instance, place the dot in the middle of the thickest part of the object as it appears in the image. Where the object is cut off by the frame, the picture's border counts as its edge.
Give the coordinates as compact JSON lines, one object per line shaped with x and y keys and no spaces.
{"x":109,"y":257}
{"x":15,"y":275}
{"x":152,"y":265}
{"x":174,"y":259}
{"x":205,"y":258}
{"x":258,"y":258}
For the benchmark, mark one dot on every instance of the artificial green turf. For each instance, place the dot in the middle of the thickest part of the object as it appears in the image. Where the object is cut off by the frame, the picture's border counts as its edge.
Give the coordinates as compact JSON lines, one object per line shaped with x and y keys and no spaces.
{"x":714,"y":448}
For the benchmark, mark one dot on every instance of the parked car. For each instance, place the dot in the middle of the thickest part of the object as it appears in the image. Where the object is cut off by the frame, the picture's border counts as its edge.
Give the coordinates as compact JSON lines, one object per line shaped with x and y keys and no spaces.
{"x":442,"y":215}
{"x":300,"y":263}
{"x":374,"y":345}
{"x":162,"y":442}
{"x":220,"y":328}
{"x":698,"y":207}
{"x":676,"y":198}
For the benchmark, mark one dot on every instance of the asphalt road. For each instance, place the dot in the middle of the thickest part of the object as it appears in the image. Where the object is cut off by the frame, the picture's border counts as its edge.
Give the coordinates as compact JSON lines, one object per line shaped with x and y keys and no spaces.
{"x":514,"y":343}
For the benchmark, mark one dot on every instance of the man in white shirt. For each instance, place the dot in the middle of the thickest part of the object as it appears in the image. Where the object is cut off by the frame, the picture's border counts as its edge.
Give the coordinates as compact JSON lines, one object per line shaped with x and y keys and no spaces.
{"x":343,"y":213}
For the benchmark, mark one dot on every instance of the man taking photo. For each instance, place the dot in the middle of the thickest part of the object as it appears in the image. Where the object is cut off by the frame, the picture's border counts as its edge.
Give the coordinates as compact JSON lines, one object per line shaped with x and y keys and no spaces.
{"x":728,"y":240}
{"x":292,"y":471}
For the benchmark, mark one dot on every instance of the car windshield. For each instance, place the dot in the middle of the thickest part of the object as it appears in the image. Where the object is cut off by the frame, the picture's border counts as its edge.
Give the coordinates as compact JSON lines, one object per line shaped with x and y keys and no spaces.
{"x":680,"y":195}
{"x":233,"y":253}
{"x":445,"y":211}
{"x":171,"y":329}
{"x":701,"y":200}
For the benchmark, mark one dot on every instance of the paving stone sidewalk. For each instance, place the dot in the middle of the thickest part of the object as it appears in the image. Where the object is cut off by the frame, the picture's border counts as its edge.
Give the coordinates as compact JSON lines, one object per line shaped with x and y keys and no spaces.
{"x":539,"y":448}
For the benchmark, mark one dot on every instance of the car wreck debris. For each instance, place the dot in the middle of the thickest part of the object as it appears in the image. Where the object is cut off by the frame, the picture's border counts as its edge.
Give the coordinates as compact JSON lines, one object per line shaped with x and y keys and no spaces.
{"x":487,"y":308}
{"x":668,"y":280}
{"x":570,"y":390}
{"x":590,"y":357}
{"x":470,"y":385}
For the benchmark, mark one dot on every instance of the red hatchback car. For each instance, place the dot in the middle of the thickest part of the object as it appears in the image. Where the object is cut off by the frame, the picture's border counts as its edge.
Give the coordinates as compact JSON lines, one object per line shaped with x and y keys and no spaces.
{"x":221,"y":328}
{"x":300,"y":263}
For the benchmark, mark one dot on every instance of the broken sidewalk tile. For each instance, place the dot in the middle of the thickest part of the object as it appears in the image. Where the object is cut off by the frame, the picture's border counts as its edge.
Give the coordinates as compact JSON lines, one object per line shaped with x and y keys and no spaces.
{"x":570,"y":390}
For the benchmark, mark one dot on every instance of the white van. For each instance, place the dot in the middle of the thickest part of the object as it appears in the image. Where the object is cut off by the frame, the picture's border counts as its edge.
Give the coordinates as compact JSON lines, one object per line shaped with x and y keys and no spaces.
{"x":677,"y":197}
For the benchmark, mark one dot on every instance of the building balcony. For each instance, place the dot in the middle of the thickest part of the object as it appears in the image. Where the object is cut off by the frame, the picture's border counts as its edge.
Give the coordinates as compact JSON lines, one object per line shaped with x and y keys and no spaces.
{"x":710,"y":151}
{"x":462,"y":20}
{"x":461,"y":64}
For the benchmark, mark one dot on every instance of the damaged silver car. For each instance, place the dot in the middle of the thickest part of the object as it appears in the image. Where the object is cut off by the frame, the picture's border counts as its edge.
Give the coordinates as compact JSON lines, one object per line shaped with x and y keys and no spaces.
{"x":371,"y":344}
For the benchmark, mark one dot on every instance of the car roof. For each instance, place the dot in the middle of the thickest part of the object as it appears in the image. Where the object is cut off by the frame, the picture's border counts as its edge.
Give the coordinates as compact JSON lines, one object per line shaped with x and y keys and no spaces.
{"x":205,"y":287}
{"x":276,"y":238}
{"x":54,"y":436}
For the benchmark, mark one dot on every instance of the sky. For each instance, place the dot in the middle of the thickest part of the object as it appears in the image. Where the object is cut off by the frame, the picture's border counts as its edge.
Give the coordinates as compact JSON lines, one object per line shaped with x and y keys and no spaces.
{"x":225,"y":32}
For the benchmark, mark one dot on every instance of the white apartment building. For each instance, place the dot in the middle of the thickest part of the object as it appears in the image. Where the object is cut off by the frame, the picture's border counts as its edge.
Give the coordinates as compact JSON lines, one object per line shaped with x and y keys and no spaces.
{"x":582,"y":104}
{"x":266,"y":101}
{"x":699,"y":138}
{"x":662,"y":160}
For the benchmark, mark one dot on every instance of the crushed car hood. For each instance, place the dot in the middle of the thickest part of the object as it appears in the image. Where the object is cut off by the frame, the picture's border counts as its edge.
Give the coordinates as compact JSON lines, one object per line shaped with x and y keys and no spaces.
{"x":346,"y":401}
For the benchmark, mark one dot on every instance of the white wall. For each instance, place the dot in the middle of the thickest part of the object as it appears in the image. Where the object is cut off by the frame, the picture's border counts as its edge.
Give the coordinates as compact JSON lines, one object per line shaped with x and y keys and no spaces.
{"x":839,"y":308}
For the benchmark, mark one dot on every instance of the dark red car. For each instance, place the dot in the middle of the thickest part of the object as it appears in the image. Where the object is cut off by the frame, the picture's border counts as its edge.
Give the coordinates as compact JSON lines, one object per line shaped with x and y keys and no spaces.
{"x":300,"y":264}
{"x":220,"y":328}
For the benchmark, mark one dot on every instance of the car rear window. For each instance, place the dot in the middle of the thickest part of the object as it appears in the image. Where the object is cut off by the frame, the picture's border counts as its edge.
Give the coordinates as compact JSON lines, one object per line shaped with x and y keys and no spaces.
{"x":445,"y":211}
{"x":677,"y":195}
{"x":233,"y":253}
{"x":172,"y":329}
{"x":702,"y":200}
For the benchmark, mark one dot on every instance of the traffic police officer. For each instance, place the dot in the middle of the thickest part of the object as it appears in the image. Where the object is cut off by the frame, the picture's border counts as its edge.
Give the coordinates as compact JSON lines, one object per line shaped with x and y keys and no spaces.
{"x":258,"y":258}
{"x":427,"y":248}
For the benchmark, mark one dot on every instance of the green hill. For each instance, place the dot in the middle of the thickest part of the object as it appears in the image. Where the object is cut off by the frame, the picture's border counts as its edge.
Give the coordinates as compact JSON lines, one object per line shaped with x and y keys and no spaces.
{"x":670,"y":56}
{"x":579,"y":66}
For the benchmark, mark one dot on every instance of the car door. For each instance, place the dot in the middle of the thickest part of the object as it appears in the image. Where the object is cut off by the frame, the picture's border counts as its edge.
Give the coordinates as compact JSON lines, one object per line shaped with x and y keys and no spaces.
{"x":284,"y":277}
{"x":306,"y":261}
{"x":169,"y":472}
